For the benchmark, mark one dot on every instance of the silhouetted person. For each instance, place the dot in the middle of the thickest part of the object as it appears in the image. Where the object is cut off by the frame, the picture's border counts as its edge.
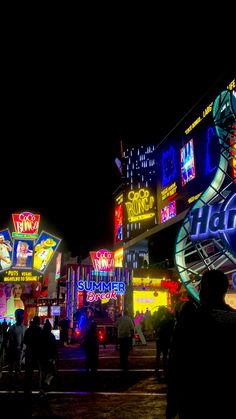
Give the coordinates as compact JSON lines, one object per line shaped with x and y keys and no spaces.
{"x":5,"y":335}
{"x":15,"y":346}
{"x":49,"y":356}
{"x":64,"y":331}
{"x":163,"y":331}
{"x":33,"y":352}
{"x":125,"y":333}
{"x":202,"y":357}
{"x":91,"y":342}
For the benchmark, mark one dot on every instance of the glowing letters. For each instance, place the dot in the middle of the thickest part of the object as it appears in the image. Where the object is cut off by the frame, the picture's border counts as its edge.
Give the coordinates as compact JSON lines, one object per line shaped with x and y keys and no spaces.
{"x":103,"y":260}
{"x":26,"y":223}
{"x":205,"y":221}
{"x":107,"y":290}
{"x":92,"y":296}
{"x":139,"y":205}
{"x":118,"y":287}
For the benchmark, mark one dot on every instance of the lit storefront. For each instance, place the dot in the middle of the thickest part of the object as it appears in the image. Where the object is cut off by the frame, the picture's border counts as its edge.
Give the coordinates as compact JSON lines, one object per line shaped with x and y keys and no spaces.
{"x":151,"y":292}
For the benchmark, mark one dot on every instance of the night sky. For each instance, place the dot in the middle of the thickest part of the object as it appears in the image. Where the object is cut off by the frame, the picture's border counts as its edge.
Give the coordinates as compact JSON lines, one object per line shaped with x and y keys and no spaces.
{"x":62,"y":131}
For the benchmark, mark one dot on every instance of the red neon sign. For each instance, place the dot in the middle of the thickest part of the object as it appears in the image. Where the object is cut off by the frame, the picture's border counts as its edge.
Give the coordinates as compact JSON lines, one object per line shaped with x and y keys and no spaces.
{"x":26,"y":223}
{"x":172,"y":286}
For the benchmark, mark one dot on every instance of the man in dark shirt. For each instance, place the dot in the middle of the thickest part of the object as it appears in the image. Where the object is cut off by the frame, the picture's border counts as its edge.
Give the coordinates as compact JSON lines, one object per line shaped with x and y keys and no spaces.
{"x":202,"y":356}
{"x":33,"y":352}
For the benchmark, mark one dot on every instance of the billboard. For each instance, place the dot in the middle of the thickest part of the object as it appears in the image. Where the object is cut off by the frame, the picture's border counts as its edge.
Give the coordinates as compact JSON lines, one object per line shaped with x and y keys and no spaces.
{"x":169,"y":211}
{"x":151,"y":300}
{"x":44,"y":250}
{"x":188,"y":157}
{"x":15,"y":294}
{"x":187,"y":163}
{"x":5,"y":250}
{"x":118,"y":219}
{"x":23,"y":253}
{"x":27,"y":250}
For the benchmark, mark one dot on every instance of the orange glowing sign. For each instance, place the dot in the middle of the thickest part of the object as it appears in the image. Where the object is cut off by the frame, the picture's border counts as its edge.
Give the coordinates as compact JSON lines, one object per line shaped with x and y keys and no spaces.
{"x":26,"y":224}
{"x":103,"y":260}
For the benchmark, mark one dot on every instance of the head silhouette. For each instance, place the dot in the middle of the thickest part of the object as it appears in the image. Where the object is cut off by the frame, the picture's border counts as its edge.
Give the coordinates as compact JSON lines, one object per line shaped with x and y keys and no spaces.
{"x":19,"y":316}
{"x":36,"y":321}
{"x":47,"y":327}
{"x":213,"y":287}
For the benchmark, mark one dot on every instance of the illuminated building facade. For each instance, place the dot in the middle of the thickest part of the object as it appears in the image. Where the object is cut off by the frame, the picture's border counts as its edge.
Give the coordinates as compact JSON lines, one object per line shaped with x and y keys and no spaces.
{"x":139,"y":197}
{"x":164,"y":182}
{"x":139,"y":201}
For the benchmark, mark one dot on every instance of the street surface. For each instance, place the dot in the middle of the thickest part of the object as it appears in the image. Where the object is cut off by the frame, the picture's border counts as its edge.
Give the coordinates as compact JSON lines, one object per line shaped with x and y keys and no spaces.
{"x":112,"y":393}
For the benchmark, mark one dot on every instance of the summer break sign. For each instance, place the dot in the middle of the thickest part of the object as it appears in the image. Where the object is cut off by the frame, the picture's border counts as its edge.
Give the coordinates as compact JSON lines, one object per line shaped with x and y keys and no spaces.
{"x":103,"y":284}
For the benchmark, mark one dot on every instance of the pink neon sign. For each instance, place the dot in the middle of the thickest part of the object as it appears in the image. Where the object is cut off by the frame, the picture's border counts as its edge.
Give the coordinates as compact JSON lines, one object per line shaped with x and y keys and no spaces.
{"x":103,"y":260}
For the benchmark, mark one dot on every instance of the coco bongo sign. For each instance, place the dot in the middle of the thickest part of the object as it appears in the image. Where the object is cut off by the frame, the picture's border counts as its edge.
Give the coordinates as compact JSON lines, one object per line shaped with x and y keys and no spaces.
{"x":26,"y":224}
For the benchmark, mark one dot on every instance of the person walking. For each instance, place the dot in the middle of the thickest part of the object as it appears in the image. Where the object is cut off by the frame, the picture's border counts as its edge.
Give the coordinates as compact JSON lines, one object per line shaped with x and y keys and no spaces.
{"x":163,"y":332}
{"x":33,"y":352}
{"x":125,"y":333}
{"x":90,"y":342}
{"x":15,"y":347}
{"x":201,"y":362}
{"x":49,"y":356}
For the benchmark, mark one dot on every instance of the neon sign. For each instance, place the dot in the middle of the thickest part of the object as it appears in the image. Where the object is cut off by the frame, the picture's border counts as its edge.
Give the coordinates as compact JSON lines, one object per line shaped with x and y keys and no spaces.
{"x":119,"y":223}
{"x":139,"y":206}
{"x":169,"y":211}
{"x":26,"y":224}
{"x":107,"y":290}
{"x":169,"y":191}
{"x":213,"y":220}
{"x":207,"y":110}
{"x":172,"y":286}
{"x":194,"y":198}
{"x":118,"y":287}
{"x":15,"y":276}
{"x":103,"y":260}
{"x":233,"y":152}
{"x":118,"y":257}
{"x":187,"y":163}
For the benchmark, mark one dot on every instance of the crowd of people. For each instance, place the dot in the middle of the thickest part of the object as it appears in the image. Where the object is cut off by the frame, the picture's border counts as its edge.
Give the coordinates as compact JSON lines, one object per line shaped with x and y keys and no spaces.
{"x":195,"y":350}
{"x":35,"y":347}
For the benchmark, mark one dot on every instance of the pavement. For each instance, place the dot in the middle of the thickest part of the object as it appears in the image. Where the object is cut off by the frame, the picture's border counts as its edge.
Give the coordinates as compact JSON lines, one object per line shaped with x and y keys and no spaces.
{"x":75,"y":394}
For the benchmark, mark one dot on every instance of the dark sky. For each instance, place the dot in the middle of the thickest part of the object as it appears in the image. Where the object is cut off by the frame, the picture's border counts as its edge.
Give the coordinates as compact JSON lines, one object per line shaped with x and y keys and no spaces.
{"x":63,"y":122}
